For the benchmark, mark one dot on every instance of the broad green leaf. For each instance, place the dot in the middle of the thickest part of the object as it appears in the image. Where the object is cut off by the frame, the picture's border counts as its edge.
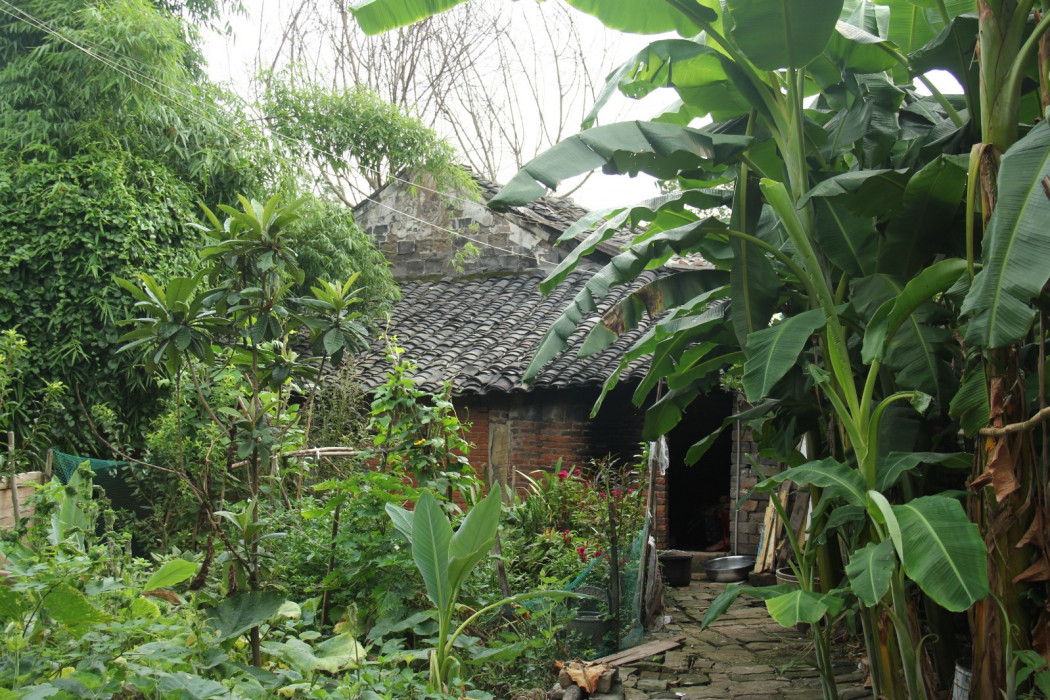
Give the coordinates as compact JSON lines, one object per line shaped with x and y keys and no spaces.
{"x":798,"y":606}
{"x":889,"y":469}
{"x":720,"y":604}
{"x":663,"y":293}
{"x":856,"y":49}
{"x":922,"y":349}
{"x":661,"y":150}
{"x":333,"y":655}
{"x":1016,"y":248}
{"x":144,"y":608}
{"x":783,"y":33}
{"x":431,"y":535}
{"x":850,"y":242}
{"x":694,"y":70}
{"x":644,"y":16}
{"x":880,"y":510}
{"x":70,"y":608}
{"x":932,"y":200}
{"x":771,"y":352}
{"x":240,"y":612}
{"x":971,"y":405}
{"x":621,"y":269}
{"x":869,"y":571}
{"x":943,"y":551}
{"x":12,"y":606}
{"x":838,"y":478}
{"x":894,"y":312}
{"x":172,"y":572}
{"x":179,"y":684}
{"x":952,"y":50}
{"x":864,"y":193}
{"x":664,"y":212}
{"x":401,"y":518}
{"x":474,"y":538}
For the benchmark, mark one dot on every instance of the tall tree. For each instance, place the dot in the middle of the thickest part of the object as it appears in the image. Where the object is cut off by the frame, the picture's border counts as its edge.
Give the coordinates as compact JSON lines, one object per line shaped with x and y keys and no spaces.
{"x":502,"y":81}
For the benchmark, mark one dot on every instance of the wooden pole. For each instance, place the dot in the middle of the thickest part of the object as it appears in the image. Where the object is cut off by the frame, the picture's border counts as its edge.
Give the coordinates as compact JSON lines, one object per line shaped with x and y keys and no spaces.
{"x":12,"y":480}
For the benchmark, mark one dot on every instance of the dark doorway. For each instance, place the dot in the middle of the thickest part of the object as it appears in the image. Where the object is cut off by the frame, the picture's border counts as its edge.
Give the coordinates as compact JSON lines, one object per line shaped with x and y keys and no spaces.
{"x":698,"y":496}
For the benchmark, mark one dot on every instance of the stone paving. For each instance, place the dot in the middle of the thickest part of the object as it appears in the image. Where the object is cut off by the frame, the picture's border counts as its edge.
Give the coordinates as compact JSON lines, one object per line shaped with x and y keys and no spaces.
{"x":743,"y":655}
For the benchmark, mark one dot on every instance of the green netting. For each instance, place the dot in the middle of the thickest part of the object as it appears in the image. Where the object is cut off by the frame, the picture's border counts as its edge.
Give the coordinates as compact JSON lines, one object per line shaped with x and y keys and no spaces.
{"x":596,"y":578}
{"x":112,"y":477}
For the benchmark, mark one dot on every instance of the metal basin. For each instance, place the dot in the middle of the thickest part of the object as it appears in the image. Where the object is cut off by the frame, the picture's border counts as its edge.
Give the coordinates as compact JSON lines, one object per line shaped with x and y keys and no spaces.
{"x":725,"y":569}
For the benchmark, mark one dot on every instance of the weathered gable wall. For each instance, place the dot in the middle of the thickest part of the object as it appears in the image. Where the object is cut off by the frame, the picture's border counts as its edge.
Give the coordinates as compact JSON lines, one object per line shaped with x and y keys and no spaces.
{"x":397,"y":220}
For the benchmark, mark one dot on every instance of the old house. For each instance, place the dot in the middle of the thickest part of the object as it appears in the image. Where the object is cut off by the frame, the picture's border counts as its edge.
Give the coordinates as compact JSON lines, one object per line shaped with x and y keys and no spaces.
{"x":475,"y":321}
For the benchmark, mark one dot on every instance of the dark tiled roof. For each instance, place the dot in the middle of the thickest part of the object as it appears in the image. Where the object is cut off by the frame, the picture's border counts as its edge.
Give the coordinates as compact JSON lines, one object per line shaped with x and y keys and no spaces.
{"x":481,"y":334}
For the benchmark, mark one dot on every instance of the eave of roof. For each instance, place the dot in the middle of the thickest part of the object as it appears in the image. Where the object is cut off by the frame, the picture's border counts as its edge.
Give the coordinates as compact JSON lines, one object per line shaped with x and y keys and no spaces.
{"x":481,"y":334}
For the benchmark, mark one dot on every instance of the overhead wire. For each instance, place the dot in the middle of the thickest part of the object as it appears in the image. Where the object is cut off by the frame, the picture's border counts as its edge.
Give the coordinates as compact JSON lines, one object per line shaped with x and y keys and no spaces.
{"x":114,"y":60}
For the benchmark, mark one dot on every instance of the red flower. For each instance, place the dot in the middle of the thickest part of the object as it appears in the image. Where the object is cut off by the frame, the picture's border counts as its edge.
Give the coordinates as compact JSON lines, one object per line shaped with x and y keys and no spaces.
{"x":601,"y":494}
{"x":563,"y":475}
{"x":582,"y":552}
{"x":616,"y":493}
{"x":597,"y":554}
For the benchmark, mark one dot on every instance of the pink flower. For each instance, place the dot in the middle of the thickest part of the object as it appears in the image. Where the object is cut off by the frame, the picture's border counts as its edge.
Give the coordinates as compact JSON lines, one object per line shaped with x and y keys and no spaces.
{"x":630,"y":491}
{"x":563,"y":475}
{"x":616,"y":493}
{"x":597,"y":554}
{"x":582,"y":552}
{"x":601,"y":494}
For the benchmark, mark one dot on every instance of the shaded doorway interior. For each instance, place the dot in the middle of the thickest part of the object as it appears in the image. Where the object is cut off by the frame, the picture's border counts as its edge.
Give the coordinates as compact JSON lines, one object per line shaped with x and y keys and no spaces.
{"x":698,"y":504}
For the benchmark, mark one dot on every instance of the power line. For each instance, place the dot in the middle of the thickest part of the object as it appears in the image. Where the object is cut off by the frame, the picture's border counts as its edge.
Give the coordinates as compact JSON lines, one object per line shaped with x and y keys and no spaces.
{"x":144,"y":79}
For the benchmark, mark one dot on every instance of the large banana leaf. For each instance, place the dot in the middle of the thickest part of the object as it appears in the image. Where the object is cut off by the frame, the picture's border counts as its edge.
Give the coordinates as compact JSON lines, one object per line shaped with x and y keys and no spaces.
{"x":932,"y":199}
{"x":661,"y":150}
{"x":789,"y":609}
{"x":644,"y":16}
{"x":943,"y":551}
{"x":623,"y":268}
{"x":431,"y":535}
{"x":474,"y":538}
{"x":785,"y":33}
{"x":663,"y":293}
{"x":877,"y":193}
{"x":850,"y":242}
{"x":869,"y":570}
{"x":837,"y":478}
{"x":663,"y":212}
{"x":694,"y":70}
{"x":771,"y":352}
{"x":888,"y":469}
{"x":920,"y":350}
{"x":898,"y":310}
{"x":1016,"y":248}
{"x":971,"y":405}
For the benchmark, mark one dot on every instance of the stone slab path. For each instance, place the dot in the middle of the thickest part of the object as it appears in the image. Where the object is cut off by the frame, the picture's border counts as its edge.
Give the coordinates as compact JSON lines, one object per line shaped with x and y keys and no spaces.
{"x":743,"y":655}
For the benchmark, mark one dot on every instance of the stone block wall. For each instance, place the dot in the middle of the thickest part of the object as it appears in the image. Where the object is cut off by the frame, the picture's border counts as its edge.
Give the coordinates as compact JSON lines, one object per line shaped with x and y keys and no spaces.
{"x":397,"y":220}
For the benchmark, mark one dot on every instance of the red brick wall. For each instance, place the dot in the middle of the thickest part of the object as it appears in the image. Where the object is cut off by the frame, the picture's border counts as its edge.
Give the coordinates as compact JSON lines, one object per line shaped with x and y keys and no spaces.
{"x":542,"y":427}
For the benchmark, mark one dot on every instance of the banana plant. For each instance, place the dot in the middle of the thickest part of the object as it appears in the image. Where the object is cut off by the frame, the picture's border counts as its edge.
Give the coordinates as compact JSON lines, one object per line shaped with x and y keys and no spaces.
{"x":843,"y":281}
{"x":445,"y":559}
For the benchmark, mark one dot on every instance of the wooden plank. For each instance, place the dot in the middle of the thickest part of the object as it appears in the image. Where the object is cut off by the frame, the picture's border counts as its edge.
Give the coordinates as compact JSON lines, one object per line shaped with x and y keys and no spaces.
{"x":23,"y":484}
{"x":643,"y":651}
{"x":766,"y":543}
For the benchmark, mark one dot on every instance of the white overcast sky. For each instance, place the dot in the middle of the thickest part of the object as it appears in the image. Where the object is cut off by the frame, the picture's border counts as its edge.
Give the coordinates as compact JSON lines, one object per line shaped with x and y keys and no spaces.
{"x":230,"y":59}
